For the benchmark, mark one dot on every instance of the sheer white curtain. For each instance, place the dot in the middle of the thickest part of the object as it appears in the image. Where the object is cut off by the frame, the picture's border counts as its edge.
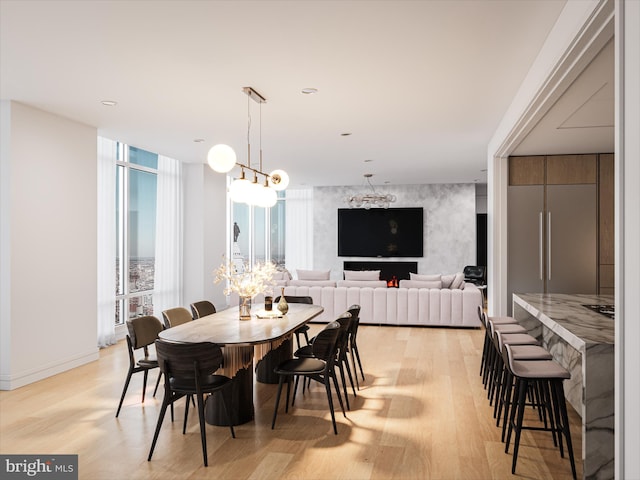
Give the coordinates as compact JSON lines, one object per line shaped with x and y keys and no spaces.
{"x":167,"y":288}
{"x":299,"y":229}
{"x":107,"y":150}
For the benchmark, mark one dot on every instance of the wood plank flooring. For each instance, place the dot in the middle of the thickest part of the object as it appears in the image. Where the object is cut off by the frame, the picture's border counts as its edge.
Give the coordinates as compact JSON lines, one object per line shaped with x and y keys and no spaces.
{"x":421,"y":413}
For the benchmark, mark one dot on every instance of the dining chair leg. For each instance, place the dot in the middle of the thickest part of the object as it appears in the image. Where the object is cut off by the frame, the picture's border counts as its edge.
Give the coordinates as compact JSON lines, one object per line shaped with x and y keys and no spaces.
{"x":186,"y":415}
{"x":275,"y":410}
{"x":327,"y":386}
{"x":124,"y":390}
{"x":344,"y":385}
{"x":355,"y":349}
{"x":163,"y":410}
{"x":155,"y":390}
{"x":144,"y":383}
{"x":225,"y":404}
{"x":203,"y":431}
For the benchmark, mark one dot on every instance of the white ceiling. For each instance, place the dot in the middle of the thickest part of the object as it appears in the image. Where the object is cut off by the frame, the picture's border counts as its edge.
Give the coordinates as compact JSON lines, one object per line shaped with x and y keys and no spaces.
{"x":420,"y":85}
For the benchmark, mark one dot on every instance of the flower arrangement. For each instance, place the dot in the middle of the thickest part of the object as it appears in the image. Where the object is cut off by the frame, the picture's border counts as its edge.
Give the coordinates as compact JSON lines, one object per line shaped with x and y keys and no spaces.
{"x":246,"y":281}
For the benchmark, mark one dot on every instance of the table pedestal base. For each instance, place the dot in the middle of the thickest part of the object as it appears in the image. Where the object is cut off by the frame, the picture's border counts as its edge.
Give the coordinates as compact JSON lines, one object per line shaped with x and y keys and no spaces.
{"x":264,"y":368}
{"x":239,"y":398}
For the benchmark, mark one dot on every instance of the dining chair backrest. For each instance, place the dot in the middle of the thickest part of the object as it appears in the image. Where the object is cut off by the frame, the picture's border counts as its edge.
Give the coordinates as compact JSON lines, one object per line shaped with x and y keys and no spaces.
{"x":188,"y":360}
{"x":296,"y":299}
{"x":345,"y":321}
{"x":176,"y":316}
{"x":202,"y":308}
{"x":143,"y":331}
{"x":325,"y":344}
{"x":354,"y":310}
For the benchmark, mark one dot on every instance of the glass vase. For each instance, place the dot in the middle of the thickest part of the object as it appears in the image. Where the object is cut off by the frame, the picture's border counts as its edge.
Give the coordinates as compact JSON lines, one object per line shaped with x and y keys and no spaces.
{"x":244,"y":308}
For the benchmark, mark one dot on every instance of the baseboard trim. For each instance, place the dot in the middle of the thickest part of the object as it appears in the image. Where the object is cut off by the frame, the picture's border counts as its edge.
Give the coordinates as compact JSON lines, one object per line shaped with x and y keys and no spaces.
{"x":11,"y":382}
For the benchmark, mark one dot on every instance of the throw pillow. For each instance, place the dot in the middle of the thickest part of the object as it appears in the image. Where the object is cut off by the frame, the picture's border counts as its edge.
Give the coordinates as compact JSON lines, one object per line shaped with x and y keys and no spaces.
{"x":447,"y":280}
{"x":362,"y":283}
{"x":313,"y":274}
{"x":362,"y":274}
{"x":420,"y":284}
{"x":428,"y":278}
{"x":458,"y":281}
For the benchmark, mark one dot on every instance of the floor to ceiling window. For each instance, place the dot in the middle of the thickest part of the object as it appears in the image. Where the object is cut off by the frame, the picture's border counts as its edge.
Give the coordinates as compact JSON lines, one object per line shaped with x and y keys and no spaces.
{"x":258,"y":233}
{"x":136,"y":183}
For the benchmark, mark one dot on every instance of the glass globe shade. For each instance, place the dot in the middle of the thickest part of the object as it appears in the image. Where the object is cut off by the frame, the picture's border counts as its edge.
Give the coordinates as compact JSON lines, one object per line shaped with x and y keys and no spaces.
{"x":279,"y":180}
{"x":253,"y":193}
{"x":238,"y":190}
{"x":221,"y":158}
{"x":269,"y":197}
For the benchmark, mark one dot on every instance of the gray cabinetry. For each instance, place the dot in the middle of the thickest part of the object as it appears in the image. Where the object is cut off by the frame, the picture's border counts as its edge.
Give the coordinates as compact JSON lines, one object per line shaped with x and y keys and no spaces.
{"x":552,"y":225}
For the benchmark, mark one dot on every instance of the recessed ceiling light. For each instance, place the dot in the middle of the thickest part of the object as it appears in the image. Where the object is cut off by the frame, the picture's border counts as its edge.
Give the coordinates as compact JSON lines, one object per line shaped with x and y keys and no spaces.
{"x":345,"y":134}
{"x":483,"y":170}
{"x":199,"y":140}
{"x":309,"y":91}
{"x":109,"y":103}
{"x":368,"y":160}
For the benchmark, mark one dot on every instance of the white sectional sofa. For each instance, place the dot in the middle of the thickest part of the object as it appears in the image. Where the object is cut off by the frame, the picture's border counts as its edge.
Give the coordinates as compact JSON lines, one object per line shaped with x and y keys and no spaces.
{"x":439,"y":307}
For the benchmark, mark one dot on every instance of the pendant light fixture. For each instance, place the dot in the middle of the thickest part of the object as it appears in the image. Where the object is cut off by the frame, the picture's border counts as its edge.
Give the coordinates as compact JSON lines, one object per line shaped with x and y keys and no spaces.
{"x":367,"y":200}
{"x":262,"y":189}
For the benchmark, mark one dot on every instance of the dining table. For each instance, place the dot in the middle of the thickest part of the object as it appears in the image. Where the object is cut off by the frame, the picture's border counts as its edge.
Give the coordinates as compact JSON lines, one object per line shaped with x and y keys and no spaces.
{"x":257,"y":344}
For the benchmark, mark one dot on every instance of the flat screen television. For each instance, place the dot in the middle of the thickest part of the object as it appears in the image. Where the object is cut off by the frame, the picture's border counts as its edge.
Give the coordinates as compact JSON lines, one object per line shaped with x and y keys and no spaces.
{"x":378,"y":232}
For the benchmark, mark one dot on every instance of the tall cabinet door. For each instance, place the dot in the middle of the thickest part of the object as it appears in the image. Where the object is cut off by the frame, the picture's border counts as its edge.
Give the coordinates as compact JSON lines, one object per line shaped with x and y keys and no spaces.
{"x":571,"y":231}
{"x":526,"y":240}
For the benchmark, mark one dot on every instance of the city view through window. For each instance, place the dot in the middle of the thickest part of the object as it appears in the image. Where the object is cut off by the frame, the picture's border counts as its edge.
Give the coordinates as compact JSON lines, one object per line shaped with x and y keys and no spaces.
{"x":260,"y":234}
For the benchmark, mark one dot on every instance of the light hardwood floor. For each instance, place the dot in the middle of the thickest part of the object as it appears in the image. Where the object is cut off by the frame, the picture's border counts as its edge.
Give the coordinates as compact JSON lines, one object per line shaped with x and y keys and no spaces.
{"x":422,"y":413}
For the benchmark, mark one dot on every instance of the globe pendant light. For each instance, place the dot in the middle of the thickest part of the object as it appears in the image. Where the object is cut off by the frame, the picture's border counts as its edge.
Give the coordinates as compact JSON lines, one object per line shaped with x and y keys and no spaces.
{"x":221,"y":158}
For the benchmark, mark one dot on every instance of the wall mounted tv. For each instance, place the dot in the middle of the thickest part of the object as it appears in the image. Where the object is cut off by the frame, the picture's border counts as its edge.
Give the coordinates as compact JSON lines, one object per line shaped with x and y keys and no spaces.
{"x":391,"y":232}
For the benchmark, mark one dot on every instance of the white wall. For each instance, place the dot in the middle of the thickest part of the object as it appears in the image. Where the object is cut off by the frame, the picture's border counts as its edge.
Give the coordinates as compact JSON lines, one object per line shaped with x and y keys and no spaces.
{"x":449,"y":225}
{"x":205,"y":224}
{"x":49,"y":245}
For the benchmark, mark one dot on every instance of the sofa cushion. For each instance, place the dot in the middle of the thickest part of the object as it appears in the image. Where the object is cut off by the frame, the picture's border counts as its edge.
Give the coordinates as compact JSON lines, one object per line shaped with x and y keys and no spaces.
{"x":420,"y":284}
{"x":313,"y":274}
{"x":312,"y":283}
{"x":362,"y":274}
{"x":458,"y":281}
{"x":447,"y":280}
{"x":427,"y":278}
{"x":362,"y":283}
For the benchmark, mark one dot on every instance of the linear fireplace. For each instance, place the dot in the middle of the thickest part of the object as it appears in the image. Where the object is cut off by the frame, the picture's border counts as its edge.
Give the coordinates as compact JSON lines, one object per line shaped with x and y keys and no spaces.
{"x":389,"y":271}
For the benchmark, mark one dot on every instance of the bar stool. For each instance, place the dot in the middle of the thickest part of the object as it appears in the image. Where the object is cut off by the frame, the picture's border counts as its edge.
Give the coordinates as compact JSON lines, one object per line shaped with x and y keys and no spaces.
{"x":548,"y":376}
{"x":493,"y":359}
{"x":523,"y":347}
{"x":501,"y":338}
{"x":486,"y":348}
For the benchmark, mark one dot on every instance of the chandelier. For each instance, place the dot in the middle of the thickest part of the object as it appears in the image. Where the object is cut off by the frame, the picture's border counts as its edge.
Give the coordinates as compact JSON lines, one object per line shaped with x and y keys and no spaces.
{"x":262,"y":190}
{"x":369,"y":199}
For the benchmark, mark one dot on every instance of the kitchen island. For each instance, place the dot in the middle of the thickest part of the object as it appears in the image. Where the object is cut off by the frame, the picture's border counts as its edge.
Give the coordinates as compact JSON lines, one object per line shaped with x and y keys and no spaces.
{"x":582,"y":340}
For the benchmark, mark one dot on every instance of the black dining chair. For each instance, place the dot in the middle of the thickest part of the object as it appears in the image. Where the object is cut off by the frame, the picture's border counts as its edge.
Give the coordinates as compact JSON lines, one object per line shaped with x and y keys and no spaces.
{"x":188,"y":370}
{"x":320,"y":368}
{"x":342,"y":361}
{"x":143,"y":331}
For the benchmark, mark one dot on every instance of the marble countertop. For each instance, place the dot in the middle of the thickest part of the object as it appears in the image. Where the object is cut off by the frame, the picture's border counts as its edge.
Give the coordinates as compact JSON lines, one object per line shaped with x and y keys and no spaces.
{"x":566,"y":315}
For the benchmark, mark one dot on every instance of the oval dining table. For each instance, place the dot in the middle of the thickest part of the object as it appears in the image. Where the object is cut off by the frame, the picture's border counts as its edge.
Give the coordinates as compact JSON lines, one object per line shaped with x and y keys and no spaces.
{"x":261,"y":341}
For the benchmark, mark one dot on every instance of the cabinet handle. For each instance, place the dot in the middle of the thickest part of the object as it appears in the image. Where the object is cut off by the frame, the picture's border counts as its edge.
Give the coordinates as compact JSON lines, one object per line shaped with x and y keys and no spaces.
{"x":549,"y":245}
{"x":541,"y":245}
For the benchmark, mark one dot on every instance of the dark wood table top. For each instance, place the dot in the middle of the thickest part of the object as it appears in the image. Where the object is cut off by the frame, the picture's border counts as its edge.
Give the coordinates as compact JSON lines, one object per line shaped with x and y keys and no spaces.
{"x":225,"y":327}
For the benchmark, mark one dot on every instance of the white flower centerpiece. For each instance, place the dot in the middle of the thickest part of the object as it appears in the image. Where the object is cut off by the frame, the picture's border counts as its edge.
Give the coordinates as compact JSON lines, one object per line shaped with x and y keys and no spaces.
{"x":245,"y":280}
